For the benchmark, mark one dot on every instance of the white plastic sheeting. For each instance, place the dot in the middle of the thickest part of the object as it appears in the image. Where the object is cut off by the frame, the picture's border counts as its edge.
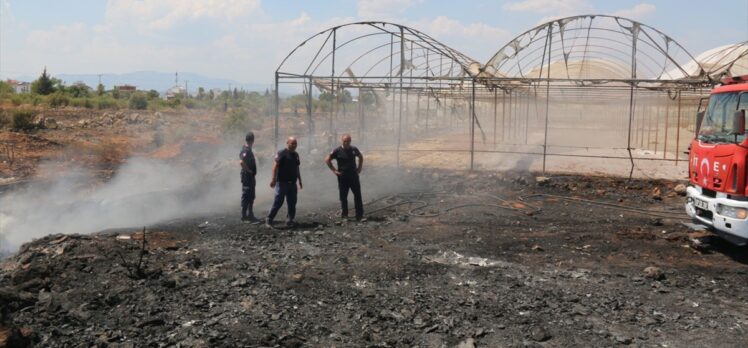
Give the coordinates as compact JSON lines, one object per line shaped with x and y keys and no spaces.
{"x":728,"y":60}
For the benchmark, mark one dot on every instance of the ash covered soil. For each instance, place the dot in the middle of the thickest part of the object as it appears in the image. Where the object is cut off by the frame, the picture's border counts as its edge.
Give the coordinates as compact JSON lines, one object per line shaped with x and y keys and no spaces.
{"x":463,"y":259}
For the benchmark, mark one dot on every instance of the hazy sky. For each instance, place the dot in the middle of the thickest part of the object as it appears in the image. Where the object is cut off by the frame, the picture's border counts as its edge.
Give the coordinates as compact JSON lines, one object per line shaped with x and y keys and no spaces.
{"x":245,"y":40}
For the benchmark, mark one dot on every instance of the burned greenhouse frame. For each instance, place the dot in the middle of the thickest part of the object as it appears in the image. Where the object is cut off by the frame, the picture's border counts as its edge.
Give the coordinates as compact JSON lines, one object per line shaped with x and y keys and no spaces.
{"x":583,"y":87}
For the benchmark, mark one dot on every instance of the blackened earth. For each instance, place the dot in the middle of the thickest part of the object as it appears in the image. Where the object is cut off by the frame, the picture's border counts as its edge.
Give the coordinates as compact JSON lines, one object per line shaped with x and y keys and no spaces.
{"x":460,"y":260}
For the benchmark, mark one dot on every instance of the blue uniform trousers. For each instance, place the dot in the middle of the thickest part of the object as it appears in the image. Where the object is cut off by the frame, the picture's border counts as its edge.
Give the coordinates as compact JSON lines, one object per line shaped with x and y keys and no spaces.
{"x":248,"y":195}
{"x":284,"y":190}
{"x":349,"y":181}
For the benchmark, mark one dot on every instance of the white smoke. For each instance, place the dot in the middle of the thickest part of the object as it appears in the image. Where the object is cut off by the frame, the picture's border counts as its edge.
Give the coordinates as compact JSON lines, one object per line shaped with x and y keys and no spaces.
{"x":143,"y":191}
{"x":146,"y":191}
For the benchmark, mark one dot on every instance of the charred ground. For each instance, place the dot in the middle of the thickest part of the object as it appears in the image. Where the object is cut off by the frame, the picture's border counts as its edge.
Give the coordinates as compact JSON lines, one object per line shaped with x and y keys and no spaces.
{"x":470,"y":259}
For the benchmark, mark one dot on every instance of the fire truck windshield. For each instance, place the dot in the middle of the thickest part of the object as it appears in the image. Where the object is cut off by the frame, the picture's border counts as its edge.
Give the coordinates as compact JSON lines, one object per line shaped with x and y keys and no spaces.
{"x":717,"y":122}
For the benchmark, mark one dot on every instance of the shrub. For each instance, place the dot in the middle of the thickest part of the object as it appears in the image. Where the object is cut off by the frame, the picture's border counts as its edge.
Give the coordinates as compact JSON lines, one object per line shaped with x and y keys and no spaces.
{"x":105,"y":103}
{"x":6,"y":88}
{"x":16,"y":100}
{"x":156,"y":104}
{"x":5,"y":119}
{"x":189,"y":103}
{"x":174,"y":102}
{"x":82,"y":103}
{"x":152,"y":94}
{"x":77,"y":91}
{"x":22,"y":120}
{"x":109,"y":151}
{"x":58,"y":99}
{"x":138,"y":101}
{"x":239,"y":121}
{"x":77,"y":102}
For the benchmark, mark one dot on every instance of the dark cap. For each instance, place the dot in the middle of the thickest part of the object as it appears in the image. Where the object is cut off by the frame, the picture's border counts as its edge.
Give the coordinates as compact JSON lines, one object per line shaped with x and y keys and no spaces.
{"x":249,"y":137}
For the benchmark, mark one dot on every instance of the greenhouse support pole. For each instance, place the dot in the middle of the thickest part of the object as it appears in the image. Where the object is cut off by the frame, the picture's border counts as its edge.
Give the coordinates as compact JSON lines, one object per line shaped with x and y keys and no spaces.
{"x":333,"y":103}
{"x":677,"y":133}
{"x":309,"y":110}
{"x":495,"y":115}
{"x":547,"y":95}
{"x":667,"y":125}
{"x":400,"y":95}
{"x":277,"y":112}
{"x":472,"y":125}
{"x":635,"y":38}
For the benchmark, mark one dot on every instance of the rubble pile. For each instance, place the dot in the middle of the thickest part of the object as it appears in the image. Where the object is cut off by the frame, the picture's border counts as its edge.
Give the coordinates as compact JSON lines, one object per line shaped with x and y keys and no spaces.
{"x":463,"y":270}
{"x":67,"y":119}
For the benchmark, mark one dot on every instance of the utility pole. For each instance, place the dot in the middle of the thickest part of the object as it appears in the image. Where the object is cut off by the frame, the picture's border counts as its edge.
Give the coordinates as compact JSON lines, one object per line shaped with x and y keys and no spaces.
{"x":99,"y":75}
{"x":186,"y":88}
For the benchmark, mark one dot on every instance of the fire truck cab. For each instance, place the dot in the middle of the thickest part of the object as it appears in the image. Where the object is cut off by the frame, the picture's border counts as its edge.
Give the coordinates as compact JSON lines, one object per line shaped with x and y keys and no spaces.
{"x":717,"y":196}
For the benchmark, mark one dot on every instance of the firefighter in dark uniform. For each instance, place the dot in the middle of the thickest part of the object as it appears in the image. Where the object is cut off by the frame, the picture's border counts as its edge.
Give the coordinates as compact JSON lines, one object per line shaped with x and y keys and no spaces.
{"x":285,"y":175}
{"x":249,"y":170}
{"x":347,"y":173}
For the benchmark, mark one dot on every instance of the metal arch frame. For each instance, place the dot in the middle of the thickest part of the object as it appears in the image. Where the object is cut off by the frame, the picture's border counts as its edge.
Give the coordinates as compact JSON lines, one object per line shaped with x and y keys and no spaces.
{"x":435,"y":45}
{"x":496,"y":61}
{"x":457,"y":64}
{"x":463,"y":84}
{"x":515,"y":52}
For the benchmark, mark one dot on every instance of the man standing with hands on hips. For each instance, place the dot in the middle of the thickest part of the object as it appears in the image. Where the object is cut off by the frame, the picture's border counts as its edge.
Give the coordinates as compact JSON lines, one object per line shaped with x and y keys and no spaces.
{"x":285,"y":174}
{"x":347,"y":173}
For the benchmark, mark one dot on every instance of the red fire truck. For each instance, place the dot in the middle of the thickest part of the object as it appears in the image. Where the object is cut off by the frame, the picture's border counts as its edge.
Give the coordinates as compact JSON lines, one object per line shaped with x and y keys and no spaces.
{"x":718,"y":163}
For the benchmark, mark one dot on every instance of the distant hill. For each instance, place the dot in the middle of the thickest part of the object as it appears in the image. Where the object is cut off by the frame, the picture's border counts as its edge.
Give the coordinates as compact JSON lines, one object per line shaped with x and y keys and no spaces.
{"x":160,"y":81}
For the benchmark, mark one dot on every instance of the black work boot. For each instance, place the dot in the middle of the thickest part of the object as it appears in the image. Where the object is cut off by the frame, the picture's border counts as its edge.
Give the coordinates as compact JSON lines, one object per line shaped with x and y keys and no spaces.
{"x":251,"y":216}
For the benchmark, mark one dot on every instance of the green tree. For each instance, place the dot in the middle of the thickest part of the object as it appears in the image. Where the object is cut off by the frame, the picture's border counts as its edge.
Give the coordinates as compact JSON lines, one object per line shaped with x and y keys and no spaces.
{"x":200,"y":93}
{"x":254,"y":101}
{"x":100,"y":90}
{"x":345,"y":97}
{"x":77,"y":91}
{"x":6,"y":88}
{"x":296,"y":102}
{"x":367,"y":98}
{"x":43,"y":85}
{"x":138,"y":101}
{"x":174,"y":102}
{"x":326,"y":97}
{"x":58,"y":84}
{"x":152,"y":94}
{"x":238,"y":121}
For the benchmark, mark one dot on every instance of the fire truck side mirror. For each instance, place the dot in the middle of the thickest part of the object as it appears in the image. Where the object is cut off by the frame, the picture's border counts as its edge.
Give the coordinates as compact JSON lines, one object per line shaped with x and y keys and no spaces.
{"x":699,"y":119}
{"x":738,"y":123}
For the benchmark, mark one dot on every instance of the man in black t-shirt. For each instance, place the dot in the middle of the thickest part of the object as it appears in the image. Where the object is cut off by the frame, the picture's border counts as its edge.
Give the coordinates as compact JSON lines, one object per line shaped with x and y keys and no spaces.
{"x":249,"y":170}
{"x":285,"y":174}
{"x":347,"y":173}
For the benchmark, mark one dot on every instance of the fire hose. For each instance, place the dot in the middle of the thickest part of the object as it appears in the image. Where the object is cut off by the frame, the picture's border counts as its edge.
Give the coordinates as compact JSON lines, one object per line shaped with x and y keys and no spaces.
{"x":654,"y":213}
